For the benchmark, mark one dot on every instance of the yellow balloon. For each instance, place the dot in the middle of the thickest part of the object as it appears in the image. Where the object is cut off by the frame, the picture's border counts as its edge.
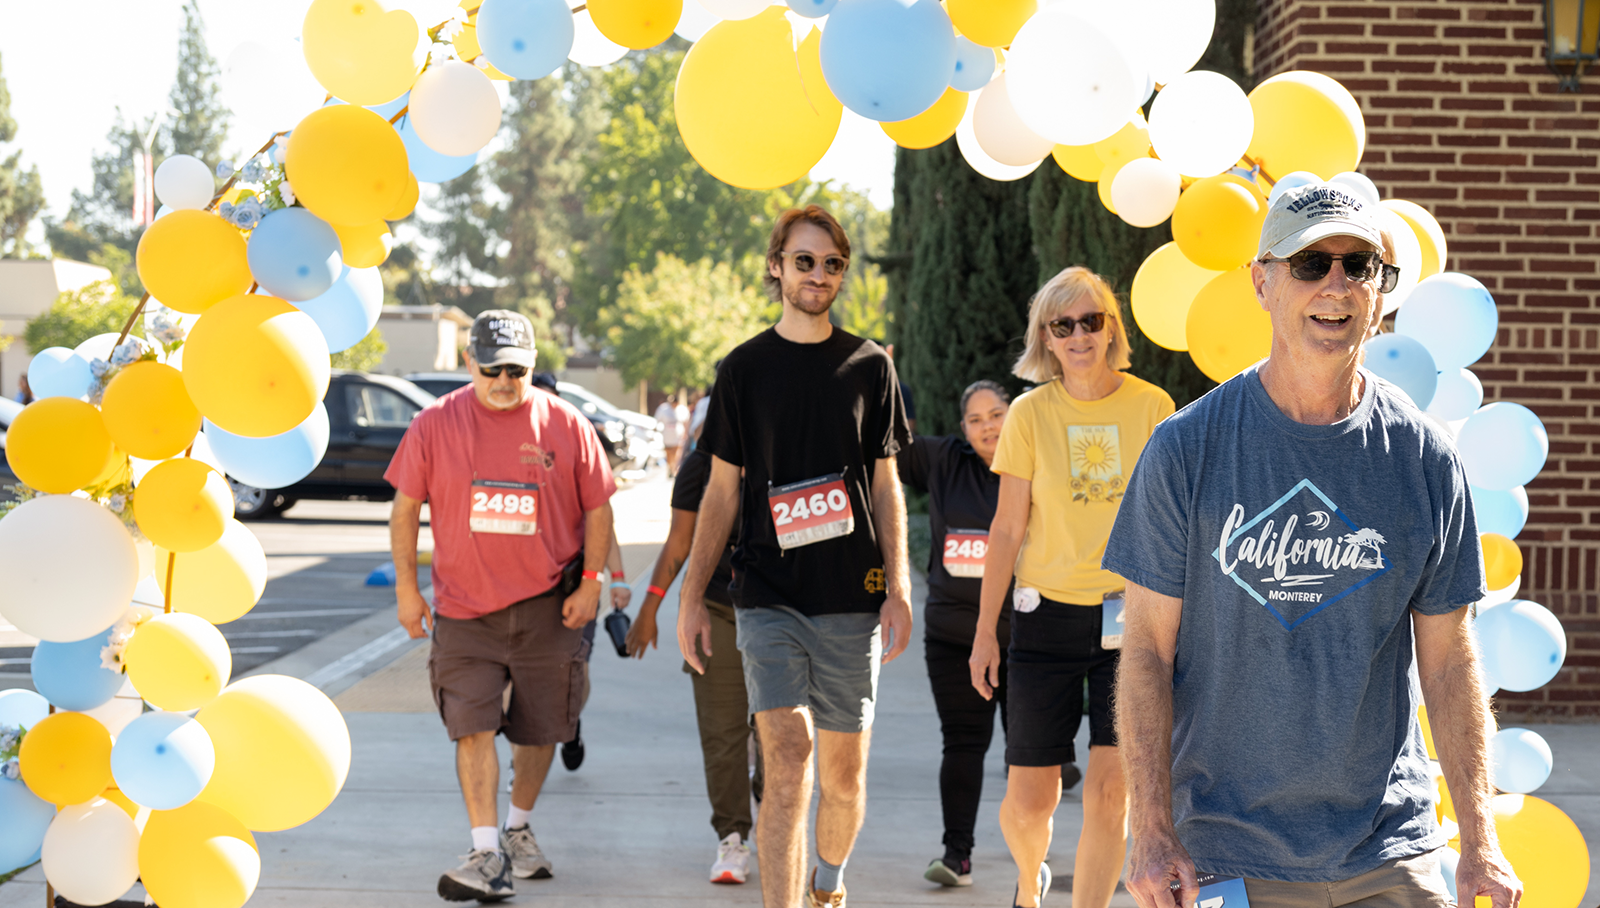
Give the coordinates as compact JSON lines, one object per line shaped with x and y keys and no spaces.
{"x":347,"y":164}
{"x":198,"y":857}
{"x":1306,"y":121}
{"x":931,"y":127}
{"x":58,"y":445}
{"x":1163,"y":290}
{"x":66,"y":758}
{"x":992,"y":23}
{"x":1218,"y":220}
{"x":1227,"y":328}
{"x":183,"y":505}
{"x":255,"y":365}
{"x":1107,"y":176}
{"x":190,"y":259}
{"x":177,"y":661}
{"x":466,"y":42}
{"x":220,"y":582}
{"x":746,"y":72}
{"x":1129,"y":142}
{"x":1427,"y":731}
{"x":639,"y":24}
{"x":1079,"y":161}
{"x":282,"y":751}
{"x":362,"y":51}
{"x":1502,"y":560}
{"x":407,"y":203}
{"x":116,"y":472}
{"x":1546,"y":851}
{"x":489,"y":70}
{"x":1430,"y":236}
{"x":365,"y":246}
{"x":148,"y":412}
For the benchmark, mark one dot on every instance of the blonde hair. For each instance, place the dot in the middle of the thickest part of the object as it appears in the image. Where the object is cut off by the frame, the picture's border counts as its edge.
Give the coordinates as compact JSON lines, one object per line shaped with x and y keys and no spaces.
{"x":1037,"y":363}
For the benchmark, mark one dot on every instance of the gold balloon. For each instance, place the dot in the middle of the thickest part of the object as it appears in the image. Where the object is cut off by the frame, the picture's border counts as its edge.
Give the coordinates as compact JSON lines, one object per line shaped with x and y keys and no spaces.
{"x":1129,"y":142}
{"x":1163,"y":290}
{"x":1306,"y":121}
{"x":347,"y":165}
{"x":365,"y":246}
{"x":1218,"y":221}
{"x":1079,"y":161}
{"x":1502,"y":560}
{"x":1546,"y":850}
{"x":931,"y":127}
{"x":636,"y":24}
{"x":255,"y":365}
{"x":190,"y":259}
{"x":220,"y":582}
{"x":198,"y":856}
{"x":148,"y":412}
{"x":1107,"y":177}
{"x":408,"y":201}
{"x":183,"y":505}
{"x":1430,"y":236}
{"x":66,"y":758}
{"x":1228,"y":331}
{"x":362,"y":51}
{"x":178,"y":661}
{"x":992,"y":23}
{"x":58,"y":445}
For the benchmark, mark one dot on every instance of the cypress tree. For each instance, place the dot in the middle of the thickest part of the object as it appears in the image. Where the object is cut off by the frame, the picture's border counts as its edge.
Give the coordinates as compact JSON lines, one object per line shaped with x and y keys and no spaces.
{"x":21,"y":191}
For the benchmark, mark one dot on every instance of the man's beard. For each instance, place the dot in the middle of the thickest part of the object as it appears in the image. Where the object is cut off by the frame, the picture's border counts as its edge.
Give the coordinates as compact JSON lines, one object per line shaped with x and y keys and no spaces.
{"x":810,"y":308}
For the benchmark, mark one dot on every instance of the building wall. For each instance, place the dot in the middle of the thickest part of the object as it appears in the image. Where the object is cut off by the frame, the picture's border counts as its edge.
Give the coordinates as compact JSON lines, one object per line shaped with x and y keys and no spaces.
{"x":421,"y":339}
{"x":27,"y":289}
{"x":1464,"y":119}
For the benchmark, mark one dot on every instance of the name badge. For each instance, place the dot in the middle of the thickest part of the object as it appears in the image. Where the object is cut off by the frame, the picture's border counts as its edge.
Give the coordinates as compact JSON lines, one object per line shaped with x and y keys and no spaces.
{"x":1221,"y":892}
{"x":1113,"y":616}
{"x":964,"y":551}
{"x":811,"y":511}
{"x":508,"y":508}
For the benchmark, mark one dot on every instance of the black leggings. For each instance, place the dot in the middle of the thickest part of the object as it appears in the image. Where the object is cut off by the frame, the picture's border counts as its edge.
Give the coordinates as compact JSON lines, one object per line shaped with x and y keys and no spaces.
{"x":967,"y":723}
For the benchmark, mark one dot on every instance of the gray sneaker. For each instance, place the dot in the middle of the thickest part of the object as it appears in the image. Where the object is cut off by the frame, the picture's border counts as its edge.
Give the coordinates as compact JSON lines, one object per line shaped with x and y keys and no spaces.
{"x":483,"y":875}
{"x":527,"y":861}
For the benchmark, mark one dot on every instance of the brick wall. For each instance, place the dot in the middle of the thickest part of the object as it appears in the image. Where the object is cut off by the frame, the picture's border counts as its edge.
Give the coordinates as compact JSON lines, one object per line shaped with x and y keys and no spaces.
{"x":1464,"y":119}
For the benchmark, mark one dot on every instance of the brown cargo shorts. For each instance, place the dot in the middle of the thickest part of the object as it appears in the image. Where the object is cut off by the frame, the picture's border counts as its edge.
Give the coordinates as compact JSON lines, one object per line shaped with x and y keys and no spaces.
{"x":525,"y":646}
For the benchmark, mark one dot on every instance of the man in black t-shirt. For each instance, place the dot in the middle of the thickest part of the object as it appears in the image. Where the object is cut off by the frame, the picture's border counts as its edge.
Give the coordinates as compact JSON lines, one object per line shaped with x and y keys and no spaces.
{"x":813,"y":417}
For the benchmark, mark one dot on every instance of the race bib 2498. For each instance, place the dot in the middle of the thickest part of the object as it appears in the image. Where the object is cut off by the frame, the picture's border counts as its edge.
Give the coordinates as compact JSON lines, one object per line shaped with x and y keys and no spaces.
{"x":811,"y":511}
{"x":510,"y":508}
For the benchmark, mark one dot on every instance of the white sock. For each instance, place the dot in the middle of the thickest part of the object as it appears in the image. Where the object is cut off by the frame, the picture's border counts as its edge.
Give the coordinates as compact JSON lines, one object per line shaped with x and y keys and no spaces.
{"x":485,"y":838}
{"x":517,"y":817}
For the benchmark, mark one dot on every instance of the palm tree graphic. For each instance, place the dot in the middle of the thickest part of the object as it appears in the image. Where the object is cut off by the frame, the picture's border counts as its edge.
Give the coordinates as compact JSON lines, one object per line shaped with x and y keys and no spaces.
{"x":1367,"y":538}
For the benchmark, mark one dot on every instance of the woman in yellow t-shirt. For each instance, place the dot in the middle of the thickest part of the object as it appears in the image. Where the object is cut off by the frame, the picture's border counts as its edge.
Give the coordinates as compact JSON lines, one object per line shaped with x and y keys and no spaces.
{"x":1065,"y":455}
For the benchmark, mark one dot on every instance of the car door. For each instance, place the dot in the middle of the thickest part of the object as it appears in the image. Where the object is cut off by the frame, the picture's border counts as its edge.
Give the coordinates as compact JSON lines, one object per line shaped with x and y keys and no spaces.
{"x":376,"y":420}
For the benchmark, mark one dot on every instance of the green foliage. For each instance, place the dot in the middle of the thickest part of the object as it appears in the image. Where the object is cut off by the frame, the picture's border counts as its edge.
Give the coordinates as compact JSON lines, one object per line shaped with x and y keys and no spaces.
{"x":670,"y":326}
{"x":364,"y":355}
{"x":21,"y":191}
{"x":200,"y":125}
{"x":77,"y":315}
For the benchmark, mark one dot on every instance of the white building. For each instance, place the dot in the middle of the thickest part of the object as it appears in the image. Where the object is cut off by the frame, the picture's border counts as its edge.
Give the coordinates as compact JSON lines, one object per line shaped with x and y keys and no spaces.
{"x":27,"y":288}
{"x":422,"y":338}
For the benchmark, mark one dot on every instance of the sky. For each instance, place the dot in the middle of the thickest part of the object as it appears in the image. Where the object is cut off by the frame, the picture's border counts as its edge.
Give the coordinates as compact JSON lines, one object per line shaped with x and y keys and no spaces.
{"x":71,"y":67}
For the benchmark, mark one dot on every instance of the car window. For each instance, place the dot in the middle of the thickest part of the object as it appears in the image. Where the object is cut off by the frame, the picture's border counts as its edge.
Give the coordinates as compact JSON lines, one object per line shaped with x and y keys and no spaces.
{"x":581,"y":402}
{"x":375,"y":407}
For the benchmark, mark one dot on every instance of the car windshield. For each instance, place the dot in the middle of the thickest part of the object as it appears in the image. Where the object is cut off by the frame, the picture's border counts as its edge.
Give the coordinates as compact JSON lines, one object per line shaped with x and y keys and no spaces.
{"x":587,"y":401}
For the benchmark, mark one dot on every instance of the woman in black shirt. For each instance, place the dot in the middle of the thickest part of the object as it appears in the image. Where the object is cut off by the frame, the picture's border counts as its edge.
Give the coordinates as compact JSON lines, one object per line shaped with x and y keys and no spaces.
{"x":962,"y":497}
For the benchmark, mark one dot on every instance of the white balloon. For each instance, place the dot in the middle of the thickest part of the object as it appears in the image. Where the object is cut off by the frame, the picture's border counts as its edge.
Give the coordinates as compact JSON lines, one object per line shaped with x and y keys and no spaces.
{"x":48,"y":592}
{"x":1358,"y":184}
{"x":590,"y":47}
{"x":695,"y":21}
{"x":1458,"y":395}
{"x":1507,"y":594}
{"x":1126,"y":24}
{"x":1176,"y":33}
{"x":428,"y":13}
{"x":1069,"y":81}
{"x":268,"y":86}
{"x":184,"y":181}
{"x":91,"y":852}
{"x":977,"y":158}
{"x":1407,"y":255}
{"x":1288,"y":181}
{"x":1201,"y":123}
{"x":1145,"y":190}
{"x":732,"y":9}
{"x":116,"y":713}
{"x":1001,"y":132}
{"x":454,"y":108}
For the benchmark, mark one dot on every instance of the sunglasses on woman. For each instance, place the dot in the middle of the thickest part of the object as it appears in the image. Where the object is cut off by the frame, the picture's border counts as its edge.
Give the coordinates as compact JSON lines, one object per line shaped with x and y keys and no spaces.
{"x":1363,"y":267}
{"x":1064,"y":326}
{"x":806,"y":262}
{"x":494,"y":371}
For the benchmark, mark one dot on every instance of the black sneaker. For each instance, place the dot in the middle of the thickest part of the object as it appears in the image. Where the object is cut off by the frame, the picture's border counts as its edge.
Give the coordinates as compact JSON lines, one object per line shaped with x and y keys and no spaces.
{"x":1070,"y":775}
{"x":947,"y":871}
{"x":572,"y":751}
{"x":484,"y":875}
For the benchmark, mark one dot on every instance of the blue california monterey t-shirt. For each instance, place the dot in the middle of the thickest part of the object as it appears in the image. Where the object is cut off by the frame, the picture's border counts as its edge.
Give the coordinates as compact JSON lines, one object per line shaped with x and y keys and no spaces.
{"x":1299,"y":551}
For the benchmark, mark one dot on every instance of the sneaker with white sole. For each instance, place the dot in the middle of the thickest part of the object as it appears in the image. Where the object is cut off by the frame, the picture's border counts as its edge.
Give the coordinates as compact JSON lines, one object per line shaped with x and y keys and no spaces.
{"x":733,"y":860}
{"x":484,"y":875}
{"x":527,"y":861}
{"x":948,"y":871}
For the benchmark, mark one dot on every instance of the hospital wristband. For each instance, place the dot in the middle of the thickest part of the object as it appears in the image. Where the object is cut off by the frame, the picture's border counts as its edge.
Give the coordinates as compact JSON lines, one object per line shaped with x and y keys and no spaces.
{"x":657,"y":590}
{"x":591,"y":575}
{"x":618,"y":575}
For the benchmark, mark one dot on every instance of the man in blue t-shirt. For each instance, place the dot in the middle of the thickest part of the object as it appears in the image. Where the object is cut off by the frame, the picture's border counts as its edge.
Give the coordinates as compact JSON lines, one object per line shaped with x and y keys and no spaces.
{"x":1301,"y":552}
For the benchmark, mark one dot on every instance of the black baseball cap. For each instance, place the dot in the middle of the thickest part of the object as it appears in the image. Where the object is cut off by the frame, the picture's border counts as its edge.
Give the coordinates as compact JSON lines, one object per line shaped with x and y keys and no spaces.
{"x":501,"y":337}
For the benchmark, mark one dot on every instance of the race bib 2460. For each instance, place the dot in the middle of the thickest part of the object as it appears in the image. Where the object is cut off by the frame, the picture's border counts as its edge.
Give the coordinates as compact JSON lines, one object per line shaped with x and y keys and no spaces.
{"x":811,"y":511}
{"x":964,"y":551}
{"x":509,"y":508}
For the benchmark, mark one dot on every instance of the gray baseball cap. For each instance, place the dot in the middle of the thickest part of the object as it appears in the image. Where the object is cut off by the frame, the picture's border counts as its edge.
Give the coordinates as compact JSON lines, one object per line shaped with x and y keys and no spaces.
{"x":1316,"y":211}
{"x":501,"y":337}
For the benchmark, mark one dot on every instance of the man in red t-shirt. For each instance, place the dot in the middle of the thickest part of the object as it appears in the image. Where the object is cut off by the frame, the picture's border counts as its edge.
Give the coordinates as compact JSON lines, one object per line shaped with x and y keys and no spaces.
{"x":518,"y":489}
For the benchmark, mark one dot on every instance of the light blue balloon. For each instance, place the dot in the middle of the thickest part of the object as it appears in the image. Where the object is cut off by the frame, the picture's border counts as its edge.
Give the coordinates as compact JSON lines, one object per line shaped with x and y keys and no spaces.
{"x":294,"y":254}
{"x":1449,"y":858}
{"x":1453,"y":315}
{"x":1458,"y":396}
{"x":59,"y":372}
{"x":1523,"y":644}
{"x":427,"y":165}
{"x":811,"y":9}
{"x":525,"y":39}
{"x":1292,"y":180}
{"x":70,"y":675}
{"x":24,"y":817}
{"x":1404,"y":361}
{"x":277,"y":460}
{"x":22,"y":707}
{"x":887,"y":60}
{"x":1503,"y":445}
{"x":162,"y":760}
{"x":1521,"y":760}
{"x":347,"y":312}
{"x":974,"y":65}
{"x":1504,"y":512}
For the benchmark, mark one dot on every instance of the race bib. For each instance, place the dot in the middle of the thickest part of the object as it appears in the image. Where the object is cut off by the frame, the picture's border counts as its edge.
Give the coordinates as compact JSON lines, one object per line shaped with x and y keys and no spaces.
{"x":1221,"y":892}
{"x":964,"y":551}
{"x":508,"y":508}
{"x":811,"y":511}
{"x":1113,"y":611}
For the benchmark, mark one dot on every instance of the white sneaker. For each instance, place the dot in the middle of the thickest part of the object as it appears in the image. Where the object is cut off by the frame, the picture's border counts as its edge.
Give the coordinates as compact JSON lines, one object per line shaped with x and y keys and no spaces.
{"x":733,"y":860}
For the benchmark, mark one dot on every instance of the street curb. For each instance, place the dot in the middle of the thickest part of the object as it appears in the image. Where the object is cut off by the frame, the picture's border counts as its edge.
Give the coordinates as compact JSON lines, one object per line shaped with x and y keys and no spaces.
{"x":337,"y":661}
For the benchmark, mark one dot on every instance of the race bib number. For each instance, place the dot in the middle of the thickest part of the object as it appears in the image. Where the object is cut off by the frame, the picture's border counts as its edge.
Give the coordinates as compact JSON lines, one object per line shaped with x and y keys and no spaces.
{"x":811,"y":511}
{"x":964,"y":551}
{"x":508,"y":508}
{"x":1221,"y":892}
{"x":1113,"y":615}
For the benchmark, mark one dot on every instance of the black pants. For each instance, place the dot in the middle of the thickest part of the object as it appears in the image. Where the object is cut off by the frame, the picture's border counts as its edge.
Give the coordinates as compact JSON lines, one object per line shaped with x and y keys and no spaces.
{"x":967,"y":723}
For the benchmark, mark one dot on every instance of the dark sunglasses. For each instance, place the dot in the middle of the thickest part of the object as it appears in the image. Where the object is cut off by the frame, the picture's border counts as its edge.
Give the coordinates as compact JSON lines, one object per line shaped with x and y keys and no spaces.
{"x":1064,"y":326}
{"x":806,"y":262}
{"x":494,"y":371}
{"x":1365,"y":267}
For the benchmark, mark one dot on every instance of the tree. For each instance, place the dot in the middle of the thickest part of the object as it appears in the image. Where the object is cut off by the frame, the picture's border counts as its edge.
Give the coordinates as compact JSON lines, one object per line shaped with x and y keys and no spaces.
{"x":77,"y":315}
{"x":21,"y":191}
{"x":364,"y":355}
{"x":198,"y":122}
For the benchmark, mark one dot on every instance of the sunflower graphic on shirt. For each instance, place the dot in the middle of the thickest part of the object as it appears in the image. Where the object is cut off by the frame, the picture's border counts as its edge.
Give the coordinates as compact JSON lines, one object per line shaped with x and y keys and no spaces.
{"x":1094,"y":455}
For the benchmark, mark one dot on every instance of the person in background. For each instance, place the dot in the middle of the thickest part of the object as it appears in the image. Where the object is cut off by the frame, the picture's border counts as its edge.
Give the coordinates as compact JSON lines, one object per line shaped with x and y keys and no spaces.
{"x":24,"y":392}
{"x":962,"y":494}
{"x":906,"y":396}
{"x":673,"y":430}
{"x":1064,"y":458}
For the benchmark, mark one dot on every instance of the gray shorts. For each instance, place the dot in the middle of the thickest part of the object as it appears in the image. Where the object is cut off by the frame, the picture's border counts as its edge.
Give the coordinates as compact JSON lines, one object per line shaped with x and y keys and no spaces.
{"x":828,"y":663}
